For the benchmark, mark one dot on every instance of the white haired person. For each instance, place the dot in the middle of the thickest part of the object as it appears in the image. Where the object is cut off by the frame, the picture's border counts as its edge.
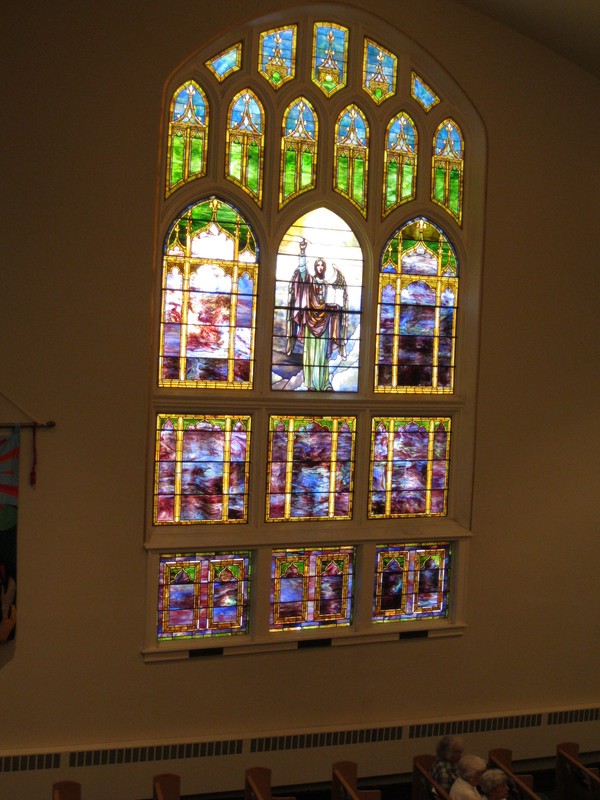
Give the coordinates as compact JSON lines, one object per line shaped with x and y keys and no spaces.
{"x":470,"y":770}
{"x":493,"y":784}
{"x":444,"y":771}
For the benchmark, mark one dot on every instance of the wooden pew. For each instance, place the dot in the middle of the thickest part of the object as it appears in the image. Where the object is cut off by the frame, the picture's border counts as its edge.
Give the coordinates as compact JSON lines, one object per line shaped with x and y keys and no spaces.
{"x":166,"y":786}
{"x":344,"y":783}
{"x":257,"y":784}
{"x":66,"y":790}
{"x":423,"y":785}
{"x":522,"y":785}
{"x":574,"y":781}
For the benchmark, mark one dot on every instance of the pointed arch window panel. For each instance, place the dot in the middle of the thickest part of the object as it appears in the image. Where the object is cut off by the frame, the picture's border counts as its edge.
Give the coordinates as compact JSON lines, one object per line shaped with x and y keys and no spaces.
{"x":330,"y":57}
{"x":411,"y":582}
{"x":188,"y":135}
{"x":277,"y":55}
{"x":317,"y":316}
{"x":311,"y":588}
{"x":310,"y":468}
{"x":298,"y":150}
{"x":352,"y":157}
{"x":379,"y":72}
{"x":202,"y":466}
{"x":400,"y":162}
{"x":209,"y":289}
{"x":410,"y":459}
{"x":447,"y":168}
{"x":203,"y":594}
{"x":418,"y":297}
{"x":245,"y":143}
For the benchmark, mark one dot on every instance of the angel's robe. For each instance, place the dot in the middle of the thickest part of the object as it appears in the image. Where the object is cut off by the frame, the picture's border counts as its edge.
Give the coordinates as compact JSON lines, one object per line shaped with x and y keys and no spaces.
{"x":317,"y":319}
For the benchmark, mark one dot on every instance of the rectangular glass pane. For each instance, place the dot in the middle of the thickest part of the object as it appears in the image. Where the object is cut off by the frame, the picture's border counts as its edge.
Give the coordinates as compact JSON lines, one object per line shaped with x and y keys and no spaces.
{"x":311,"y":588}
{"x":311,"y":463}
{"x":203,"y":594}
{"x":411,"y":582}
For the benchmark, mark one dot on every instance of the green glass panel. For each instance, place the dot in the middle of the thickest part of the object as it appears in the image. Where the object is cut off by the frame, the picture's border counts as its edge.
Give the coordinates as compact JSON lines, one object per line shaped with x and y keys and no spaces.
{"x":439,"y":189}
{"x":306,"y":170}
{"x":177,"y":150}
{"x":289,"y":177}
{"x":235,"y":160}
{"x":391,"y":193}
{"x":342,"y":174}
{"x":252,"y":169}
{"x":407,"y":181}
{"x":358,"y":182}
{"x":196,"y":154}
{"x":454,"y":201}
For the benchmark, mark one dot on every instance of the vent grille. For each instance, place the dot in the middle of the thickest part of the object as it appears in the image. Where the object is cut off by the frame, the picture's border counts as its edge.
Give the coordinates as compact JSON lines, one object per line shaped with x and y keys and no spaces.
{"x":463,"y":726}
{"x":329,"y":739}
{"x":165,"y":752}
{"x":30,"y":762}
{"x":578,"y":715}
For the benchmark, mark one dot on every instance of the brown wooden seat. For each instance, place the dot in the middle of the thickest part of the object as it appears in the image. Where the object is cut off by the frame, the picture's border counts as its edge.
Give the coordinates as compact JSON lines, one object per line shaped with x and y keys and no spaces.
{"x":66,"y":790}
{"x":166,"y":786}
{"x":424,"y":787}
{"x":501,"y":758}
{"x":257,"y":784}
{"x":574,"y":781}
{"x":344,"y":777}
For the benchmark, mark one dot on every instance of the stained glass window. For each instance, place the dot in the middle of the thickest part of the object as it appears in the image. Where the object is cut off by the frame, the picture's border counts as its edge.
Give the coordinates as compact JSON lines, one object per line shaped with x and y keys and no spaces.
{"x":330,"y":56}
{"x":311,"y":466}
{"x":188,"y":128}
{"x":422,"y":92}
{"x":299,"y":421}
{"x":447,"y":168}
{"x":316,"y":329}
{"x":352,"y":156}
{"x":298,"y":150}
{"x":226,"y":62}
{"x":409,"y":467}
{"x":203,"y":594}
{"x":400,"y":162}
{"x":245,"y":143}
{"x":201,"y":469}
{"x":311,"y":588}
{"x":411,"y":582}
{"x":418,"y":294}
{"x":379,"y":72}
{"x":277,"y":55}
{"x":209,"y":287}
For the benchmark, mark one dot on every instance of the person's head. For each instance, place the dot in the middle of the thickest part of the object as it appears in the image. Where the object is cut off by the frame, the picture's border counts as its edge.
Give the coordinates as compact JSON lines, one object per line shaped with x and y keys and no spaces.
{"x":320,"y":267}
{"x":450,"y":748}
{"x":471,"y":768}
{"x":493,"y":784}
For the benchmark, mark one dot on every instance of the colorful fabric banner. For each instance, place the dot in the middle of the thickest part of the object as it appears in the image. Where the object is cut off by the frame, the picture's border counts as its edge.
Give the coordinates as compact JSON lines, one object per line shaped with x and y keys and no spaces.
{"x":9,"y":491}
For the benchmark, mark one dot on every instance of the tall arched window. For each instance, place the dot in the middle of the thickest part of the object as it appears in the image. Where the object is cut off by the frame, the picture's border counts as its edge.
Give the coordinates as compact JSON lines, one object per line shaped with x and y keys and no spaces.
{"x":311,"y":439}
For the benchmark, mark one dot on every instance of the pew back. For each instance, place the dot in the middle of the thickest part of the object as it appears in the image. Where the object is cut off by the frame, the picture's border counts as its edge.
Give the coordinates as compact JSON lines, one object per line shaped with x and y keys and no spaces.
{"x":522,"y":785}
{"x":574,"y":781}
{"x":423,"y":785}
{"x":166,"y":786}
{"x":66,"y":790}
{"x":257,"y":784}
{"x":344,"y":776}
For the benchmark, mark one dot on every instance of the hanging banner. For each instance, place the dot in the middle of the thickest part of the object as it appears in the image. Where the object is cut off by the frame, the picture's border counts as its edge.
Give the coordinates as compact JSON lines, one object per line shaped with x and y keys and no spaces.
{"x":9,"y":491}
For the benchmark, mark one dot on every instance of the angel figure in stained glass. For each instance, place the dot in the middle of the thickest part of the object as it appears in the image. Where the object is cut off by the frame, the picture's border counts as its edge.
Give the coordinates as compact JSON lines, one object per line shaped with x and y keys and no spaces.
{"x":317,"y":318}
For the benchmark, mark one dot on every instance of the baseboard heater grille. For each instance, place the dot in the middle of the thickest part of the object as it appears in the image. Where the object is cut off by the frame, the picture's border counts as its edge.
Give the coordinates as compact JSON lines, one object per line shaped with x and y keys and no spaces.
{"x":577,"y":715}
{"x":428,"y":730}
{"x":29,"y":762}
{"x":163,"y":752}
{"x":329,"y":739}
